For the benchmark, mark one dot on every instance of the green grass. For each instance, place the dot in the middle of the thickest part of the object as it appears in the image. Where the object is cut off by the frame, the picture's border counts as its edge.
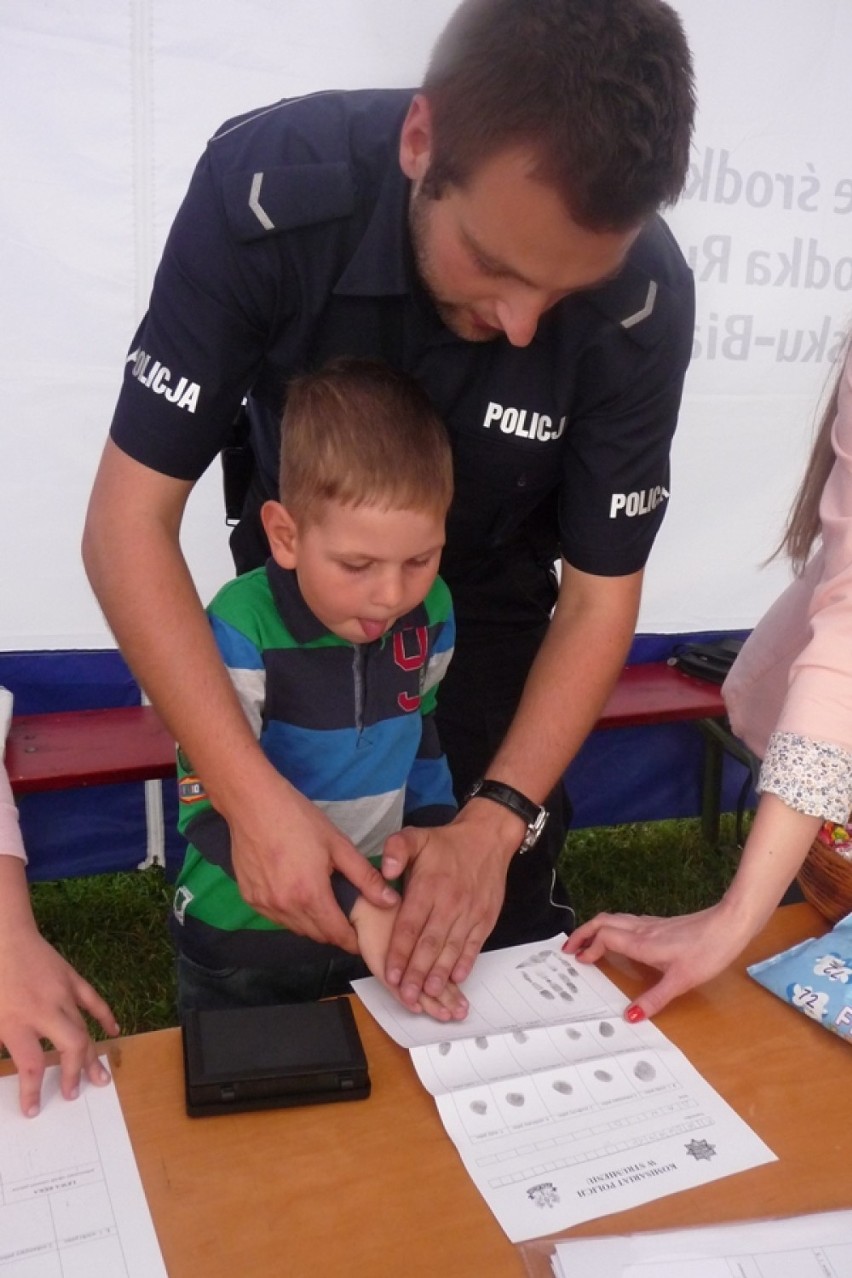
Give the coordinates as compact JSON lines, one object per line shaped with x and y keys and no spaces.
{"x":112,"y":927}
{"x":664,"y":867}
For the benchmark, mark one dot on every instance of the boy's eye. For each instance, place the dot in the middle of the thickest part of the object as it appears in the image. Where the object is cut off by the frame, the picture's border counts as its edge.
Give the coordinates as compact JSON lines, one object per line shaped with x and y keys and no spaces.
{"x":353,"y":567}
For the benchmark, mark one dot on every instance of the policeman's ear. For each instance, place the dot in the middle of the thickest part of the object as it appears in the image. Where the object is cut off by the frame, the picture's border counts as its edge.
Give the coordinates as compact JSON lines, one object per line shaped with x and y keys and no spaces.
{"x":281,"y":533}
{"x":415,"y":142}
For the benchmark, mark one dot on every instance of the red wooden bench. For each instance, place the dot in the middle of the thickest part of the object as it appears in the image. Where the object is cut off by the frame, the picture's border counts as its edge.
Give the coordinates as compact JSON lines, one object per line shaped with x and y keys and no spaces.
{"x":659,"y":693}
{"x":72,"y":748}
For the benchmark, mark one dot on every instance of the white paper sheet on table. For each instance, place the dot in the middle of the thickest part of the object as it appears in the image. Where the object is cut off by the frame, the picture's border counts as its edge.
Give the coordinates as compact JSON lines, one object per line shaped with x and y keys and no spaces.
{"x":560,"y":1110}
{"x":71,"y":1201}
{"x":818,"y":1246}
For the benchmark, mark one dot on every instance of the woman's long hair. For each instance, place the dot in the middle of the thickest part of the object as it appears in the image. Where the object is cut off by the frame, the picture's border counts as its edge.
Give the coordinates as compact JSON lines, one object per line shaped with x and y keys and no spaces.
{"x":803,"y":522}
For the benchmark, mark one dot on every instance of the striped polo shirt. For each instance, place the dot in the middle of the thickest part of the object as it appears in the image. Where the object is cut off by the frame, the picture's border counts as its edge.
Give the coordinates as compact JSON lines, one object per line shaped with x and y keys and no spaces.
{"x":351,"y":726}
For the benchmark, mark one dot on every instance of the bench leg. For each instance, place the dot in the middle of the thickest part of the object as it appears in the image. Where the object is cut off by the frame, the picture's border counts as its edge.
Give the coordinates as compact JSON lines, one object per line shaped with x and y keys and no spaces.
{"x":711,"y":789}
{"x":719,"y":741}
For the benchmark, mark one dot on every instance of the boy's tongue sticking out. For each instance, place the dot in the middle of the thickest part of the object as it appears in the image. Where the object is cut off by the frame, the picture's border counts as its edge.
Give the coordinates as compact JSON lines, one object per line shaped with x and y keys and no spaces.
{"x":372,"y":629}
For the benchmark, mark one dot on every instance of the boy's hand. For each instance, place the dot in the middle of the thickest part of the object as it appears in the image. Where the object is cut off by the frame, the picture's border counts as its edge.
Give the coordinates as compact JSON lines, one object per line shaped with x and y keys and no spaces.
{"x":374,"y":927}
{"x":41,"y":996}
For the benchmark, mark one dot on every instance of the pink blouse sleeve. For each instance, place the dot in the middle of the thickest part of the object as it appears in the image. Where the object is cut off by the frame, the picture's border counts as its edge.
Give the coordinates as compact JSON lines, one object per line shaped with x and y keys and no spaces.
{"x":11,"y":843}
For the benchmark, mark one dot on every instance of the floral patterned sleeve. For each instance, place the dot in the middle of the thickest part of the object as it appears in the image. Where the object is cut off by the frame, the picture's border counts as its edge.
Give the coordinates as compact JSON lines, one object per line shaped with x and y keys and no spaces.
{"x":814,"y":777}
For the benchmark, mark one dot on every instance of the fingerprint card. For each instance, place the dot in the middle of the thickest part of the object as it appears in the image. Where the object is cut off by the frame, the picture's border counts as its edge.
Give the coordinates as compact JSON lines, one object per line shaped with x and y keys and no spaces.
{"x":561,"y":1110}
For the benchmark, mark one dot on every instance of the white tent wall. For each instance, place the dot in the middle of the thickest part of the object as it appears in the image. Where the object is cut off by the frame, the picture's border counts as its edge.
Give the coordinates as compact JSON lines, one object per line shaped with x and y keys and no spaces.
{"x":765,"y":222}
{"x":107,"y":106}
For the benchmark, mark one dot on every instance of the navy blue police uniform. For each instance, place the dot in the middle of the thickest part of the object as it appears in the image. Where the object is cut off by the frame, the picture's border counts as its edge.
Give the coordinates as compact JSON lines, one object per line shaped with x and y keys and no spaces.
{"x":291,"y":247}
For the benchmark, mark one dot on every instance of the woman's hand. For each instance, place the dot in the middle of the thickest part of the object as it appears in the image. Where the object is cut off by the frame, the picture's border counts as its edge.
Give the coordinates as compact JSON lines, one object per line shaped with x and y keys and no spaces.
{"x":688,"y":949}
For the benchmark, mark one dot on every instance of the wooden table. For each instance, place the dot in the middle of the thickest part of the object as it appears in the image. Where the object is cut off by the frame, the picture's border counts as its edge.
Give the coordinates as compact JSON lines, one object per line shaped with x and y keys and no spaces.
{"x":376,"y":1188}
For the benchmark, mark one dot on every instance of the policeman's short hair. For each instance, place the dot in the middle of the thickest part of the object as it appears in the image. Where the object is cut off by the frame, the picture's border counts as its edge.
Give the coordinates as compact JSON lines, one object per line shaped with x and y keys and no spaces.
{"x":601,"y":91}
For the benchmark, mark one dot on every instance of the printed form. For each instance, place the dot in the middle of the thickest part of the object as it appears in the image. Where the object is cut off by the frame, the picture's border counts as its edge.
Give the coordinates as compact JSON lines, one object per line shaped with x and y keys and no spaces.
{"x":560,"y":1110}
{"x":818,"y":1246}
{"x":71,"y":1201}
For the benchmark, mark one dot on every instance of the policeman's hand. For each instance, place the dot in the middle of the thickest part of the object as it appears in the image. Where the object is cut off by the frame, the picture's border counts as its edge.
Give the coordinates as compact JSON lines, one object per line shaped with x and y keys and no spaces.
{"x":454,"y":890}
{"x":41,"y":996}
{"x":284,"y":850}
{"x":688,"y":949}
{"x":374,"y":928}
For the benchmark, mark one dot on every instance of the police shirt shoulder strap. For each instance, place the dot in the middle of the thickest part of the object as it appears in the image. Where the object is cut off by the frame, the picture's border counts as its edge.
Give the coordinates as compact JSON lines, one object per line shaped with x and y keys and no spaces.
{"x":282,"y":199}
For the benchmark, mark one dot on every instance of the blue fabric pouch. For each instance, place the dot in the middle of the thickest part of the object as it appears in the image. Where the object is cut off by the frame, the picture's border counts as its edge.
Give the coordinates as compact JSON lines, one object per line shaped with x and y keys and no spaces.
{"x":815,"y":977}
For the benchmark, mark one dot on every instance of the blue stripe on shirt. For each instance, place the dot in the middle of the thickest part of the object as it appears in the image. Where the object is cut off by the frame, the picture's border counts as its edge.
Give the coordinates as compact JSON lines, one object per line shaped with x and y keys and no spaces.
{"x":238,"y":652}
{"x":343,"y":763}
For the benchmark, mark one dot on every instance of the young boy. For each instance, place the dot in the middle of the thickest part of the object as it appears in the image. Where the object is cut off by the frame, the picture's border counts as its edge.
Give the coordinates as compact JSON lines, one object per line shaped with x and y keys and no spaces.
{"x":335,"y":649}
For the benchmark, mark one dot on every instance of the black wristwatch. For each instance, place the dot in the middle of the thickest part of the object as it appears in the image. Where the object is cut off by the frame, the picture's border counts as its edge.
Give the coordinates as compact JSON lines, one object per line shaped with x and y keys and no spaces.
{"x":534,"y":815}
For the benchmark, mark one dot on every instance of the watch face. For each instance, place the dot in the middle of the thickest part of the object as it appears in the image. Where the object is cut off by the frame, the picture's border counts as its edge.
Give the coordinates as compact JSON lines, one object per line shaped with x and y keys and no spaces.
{"x":534,"y":830}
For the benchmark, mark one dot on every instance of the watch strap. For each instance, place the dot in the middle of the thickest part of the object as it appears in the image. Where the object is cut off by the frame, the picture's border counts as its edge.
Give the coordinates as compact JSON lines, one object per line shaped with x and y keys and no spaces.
{"x":533,"y":814}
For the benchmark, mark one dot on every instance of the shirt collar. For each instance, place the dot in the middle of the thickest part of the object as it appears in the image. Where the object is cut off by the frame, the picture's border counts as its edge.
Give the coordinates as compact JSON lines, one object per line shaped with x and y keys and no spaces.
{"x":382,"y":264}
{"x":289,"y":601}
{"x":304,"y":625}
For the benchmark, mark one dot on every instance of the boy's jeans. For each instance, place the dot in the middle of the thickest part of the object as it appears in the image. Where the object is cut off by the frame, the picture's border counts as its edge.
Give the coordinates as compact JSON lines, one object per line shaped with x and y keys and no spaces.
{"x":299,"y":982}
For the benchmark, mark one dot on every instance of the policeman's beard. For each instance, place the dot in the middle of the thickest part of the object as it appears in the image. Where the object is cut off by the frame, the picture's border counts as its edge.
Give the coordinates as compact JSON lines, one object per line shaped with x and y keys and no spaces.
{"x":454,"y":315}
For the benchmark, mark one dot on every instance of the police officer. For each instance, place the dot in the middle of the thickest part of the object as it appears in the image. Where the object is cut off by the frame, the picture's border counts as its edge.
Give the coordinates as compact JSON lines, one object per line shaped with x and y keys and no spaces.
{"x":496,"y":235}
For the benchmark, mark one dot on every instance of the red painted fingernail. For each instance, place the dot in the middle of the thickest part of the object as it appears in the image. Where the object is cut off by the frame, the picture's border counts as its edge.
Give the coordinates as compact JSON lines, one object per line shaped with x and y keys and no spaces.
{"x":634,"y":1014}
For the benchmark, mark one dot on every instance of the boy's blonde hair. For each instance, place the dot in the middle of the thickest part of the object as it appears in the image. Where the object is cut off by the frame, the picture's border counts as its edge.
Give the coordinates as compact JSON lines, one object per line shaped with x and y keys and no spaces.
{"x":359,"y":433}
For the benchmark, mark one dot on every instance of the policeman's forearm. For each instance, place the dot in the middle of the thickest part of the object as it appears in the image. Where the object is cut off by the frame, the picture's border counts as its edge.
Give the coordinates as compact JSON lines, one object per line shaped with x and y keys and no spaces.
{"x":136,"y":568}
{"x":578,"y":663}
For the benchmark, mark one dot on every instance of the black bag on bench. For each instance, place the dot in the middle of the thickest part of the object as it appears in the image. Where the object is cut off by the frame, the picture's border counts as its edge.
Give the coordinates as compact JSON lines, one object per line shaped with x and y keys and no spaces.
{"x":710,"y":661}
